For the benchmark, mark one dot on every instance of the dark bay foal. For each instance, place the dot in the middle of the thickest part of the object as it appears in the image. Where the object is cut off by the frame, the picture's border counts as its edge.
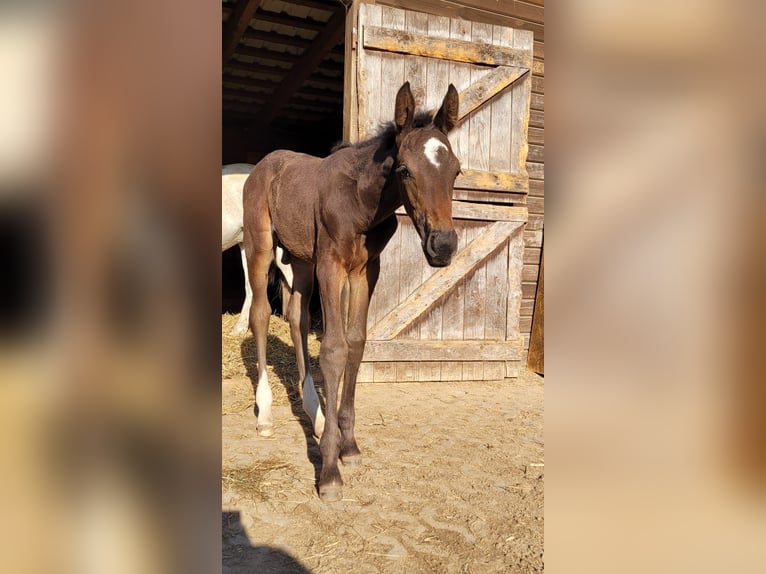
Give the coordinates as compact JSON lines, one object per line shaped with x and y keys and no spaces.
{"x":335,"y":215}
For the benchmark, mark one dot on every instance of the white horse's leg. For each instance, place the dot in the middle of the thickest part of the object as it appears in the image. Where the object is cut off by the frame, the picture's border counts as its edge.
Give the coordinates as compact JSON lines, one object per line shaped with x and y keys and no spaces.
{"x":264,"y":398}
{"x":241,"y":327}
{"x":298,"y":316}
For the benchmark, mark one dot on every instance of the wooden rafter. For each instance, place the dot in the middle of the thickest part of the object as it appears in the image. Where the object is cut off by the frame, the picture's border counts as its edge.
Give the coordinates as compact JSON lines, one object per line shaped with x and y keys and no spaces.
{"x":236,"y":26}
{"x":325,"y":41}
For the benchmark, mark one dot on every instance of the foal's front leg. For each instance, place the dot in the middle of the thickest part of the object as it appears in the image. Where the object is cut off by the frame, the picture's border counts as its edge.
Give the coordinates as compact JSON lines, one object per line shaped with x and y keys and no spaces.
{"x":361,"y":284}
{"x":332,"y":360}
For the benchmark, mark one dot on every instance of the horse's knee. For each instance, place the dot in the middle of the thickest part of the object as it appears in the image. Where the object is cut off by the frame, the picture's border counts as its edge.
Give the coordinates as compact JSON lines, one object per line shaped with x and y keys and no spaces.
{"x":333,"y":354}
{"x":355,"y":340}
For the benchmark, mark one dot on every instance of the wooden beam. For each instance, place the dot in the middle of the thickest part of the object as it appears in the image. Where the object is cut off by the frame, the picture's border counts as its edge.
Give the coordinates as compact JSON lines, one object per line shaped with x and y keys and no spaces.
{"x":328,"y":38}
{"x":409,"y":350}
{"x":492,"y":181}
{"x":284,"y":40}
{"x":443,"y":281}
{"x":377,"y":38}
{"x":487,"y":87}
{"x":285,"y":19}
{"x":236,"y":26}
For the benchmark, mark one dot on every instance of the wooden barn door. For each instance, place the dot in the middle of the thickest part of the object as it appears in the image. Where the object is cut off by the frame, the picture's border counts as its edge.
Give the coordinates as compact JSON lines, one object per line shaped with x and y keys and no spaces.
{"x":460,"y":322}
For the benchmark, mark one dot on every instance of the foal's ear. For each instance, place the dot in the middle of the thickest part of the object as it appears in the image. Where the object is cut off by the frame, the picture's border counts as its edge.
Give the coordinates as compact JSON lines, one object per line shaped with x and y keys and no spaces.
{"x":405,"y":108}
{"x":446,"y":117}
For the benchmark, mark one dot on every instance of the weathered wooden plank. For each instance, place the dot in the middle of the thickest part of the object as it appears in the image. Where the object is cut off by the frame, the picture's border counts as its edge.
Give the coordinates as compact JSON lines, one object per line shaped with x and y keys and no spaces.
{"x":536,"y":205}
{"x":429,"y":371}
{"x":537,"y":119}
{"x":406,"y":372}
{"x":366,"y":373}
{"x":532,"y":256}
{"x":536,"y":153}
{"x":496,"y":296}
{"x":537,"y":102}
{"x":537,"y":187}
{"x":483,"y":212}
{"x":515,"y":295}
{"x":535,"y":222}
{"x":442,"y":282}
{"x":539,"y":50}
{"x":528,"y":289}
{"x":473,"y":370}
{"x":482,"y":91}
{"x":379,"y":38}
{"x":452,"y":371}
{"x":479,"y":196}
{"x":452,"y":307}
{"x":476,"y":300}
{"x":538,"y":84}
{"x":479,"y":121}
{"x":494,"y":370}
{"x":520,"y":120}
{"x":384,"y":373}
{"x":460,"y":76}
{"x":536,"y":136}
{"x":536,"y":357}
{"x":536,"y":170}
{"x":492,"y":180}
{"x":368,"y":75}
{"x":430,"y":350}
{"x":512,"y":369}
{"x":501,"y":112}
{"x":529,"y":272}
{"x":416,"y":68}
{"x":492,"y":12}
{"x":527,"y":307}
{"x":391,"y":67}
{"x":533,"y":238}
{"x":411,"y":272}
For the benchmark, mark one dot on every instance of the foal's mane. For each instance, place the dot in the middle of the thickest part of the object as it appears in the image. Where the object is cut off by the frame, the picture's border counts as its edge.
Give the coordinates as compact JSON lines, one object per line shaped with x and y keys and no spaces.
{"x":385,"y":137}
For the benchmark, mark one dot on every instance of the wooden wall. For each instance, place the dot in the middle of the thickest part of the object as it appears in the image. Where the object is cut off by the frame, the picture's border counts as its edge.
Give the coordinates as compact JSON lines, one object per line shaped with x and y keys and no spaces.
{"x":526,"y":15}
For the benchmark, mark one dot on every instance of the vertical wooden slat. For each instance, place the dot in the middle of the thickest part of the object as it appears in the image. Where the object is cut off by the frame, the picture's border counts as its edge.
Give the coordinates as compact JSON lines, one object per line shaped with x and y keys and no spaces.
{"x":501,"y":134}
{"x":415,"y":67}
{"x":497,"y":286}
{"x":536,"y":358}
{"x":368,"y":74}
{"x":515,"y":264}
{"x":522,"y":91}
{"x":391,"y":67}
{"x":350,"y":94}
{"x":479,"y":121}
{"x":460,"y":76}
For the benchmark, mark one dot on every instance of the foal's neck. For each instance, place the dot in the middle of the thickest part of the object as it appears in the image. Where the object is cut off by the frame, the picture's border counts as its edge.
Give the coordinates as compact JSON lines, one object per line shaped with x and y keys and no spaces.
{"x":379,"y":189}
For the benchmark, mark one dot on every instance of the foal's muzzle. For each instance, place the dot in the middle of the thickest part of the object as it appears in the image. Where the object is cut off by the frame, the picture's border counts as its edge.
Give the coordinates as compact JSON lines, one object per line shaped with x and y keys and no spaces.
{"x":440,"y":246}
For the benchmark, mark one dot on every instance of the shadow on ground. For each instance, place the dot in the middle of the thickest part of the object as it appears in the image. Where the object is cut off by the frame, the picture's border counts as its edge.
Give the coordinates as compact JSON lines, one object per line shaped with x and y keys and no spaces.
{"x":239,"y":554}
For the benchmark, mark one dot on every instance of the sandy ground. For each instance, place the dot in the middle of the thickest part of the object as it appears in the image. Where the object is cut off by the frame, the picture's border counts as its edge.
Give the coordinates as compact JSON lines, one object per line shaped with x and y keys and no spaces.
{"x":451,"y":480}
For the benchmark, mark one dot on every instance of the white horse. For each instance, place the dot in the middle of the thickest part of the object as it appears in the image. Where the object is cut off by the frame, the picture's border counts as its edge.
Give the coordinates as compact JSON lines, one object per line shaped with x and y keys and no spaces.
{"x":232,"y":182}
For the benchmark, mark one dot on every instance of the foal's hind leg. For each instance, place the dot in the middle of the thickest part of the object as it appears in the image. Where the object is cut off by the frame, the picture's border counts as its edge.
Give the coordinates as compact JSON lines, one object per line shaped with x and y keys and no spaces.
{"x":259,"y":259}
{"x":298,"y":316}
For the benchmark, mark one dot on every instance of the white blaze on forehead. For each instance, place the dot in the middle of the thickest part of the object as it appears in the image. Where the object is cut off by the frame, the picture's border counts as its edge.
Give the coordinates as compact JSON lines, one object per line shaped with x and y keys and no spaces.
{"x":431,"y":147}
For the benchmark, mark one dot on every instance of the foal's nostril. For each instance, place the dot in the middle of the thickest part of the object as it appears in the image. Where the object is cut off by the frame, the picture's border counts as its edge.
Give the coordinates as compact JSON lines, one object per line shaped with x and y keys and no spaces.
{"x":441,"y":244}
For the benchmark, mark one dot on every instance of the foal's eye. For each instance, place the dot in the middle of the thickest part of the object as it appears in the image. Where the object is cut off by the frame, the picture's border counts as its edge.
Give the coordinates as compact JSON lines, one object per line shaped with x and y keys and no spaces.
{"x":403,"y":171}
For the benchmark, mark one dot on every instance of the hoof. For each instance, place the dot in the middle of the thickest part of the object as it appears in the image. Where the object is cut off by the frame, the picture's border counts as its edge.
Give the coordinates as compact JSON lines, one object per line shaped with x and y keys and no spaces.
{"x":331,"y":492}
{"x":238,"y":331}
{"x":352,"y":460}
{"x":266,"y":430}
